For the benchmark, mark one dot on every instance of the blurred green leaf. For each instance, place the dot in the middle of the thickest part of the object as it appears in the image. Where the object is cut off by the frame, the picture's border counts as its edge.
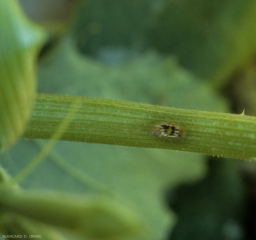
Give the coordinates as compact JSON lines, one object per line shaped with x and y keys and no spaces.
{"x":148,"y":79}
{"x":19,"y":45}
{"x":211,"y":38}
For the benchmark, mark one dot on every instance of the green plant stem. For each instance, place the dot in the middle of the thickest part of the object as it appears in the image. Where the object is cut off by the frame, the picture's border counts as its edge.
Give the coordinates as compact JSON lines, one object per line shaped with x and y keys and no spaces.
{"x":132,"y":124}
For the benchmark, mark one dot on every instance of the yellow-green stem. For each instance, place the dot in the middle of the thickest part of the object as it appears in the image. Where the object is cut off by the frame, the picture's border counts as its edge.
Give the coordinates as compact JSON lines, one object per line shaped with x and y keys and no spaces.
{"x":132,"y":124}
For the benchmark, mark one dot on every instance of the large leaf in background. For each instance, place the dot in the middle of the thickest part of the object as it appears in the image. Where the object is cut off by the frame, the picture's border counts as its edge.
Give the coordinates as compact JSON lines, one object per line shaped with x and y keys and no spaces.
{"x":137,"y":178}
{"x":148,"y":79}
{"x":211,"y":38}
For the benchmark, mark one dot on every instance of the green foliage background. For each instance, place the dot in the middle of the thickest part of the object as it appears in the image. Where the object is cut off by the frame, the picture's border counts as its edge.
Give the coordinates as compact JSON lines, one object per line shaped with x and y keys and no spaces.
{"x":167,"y":53}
